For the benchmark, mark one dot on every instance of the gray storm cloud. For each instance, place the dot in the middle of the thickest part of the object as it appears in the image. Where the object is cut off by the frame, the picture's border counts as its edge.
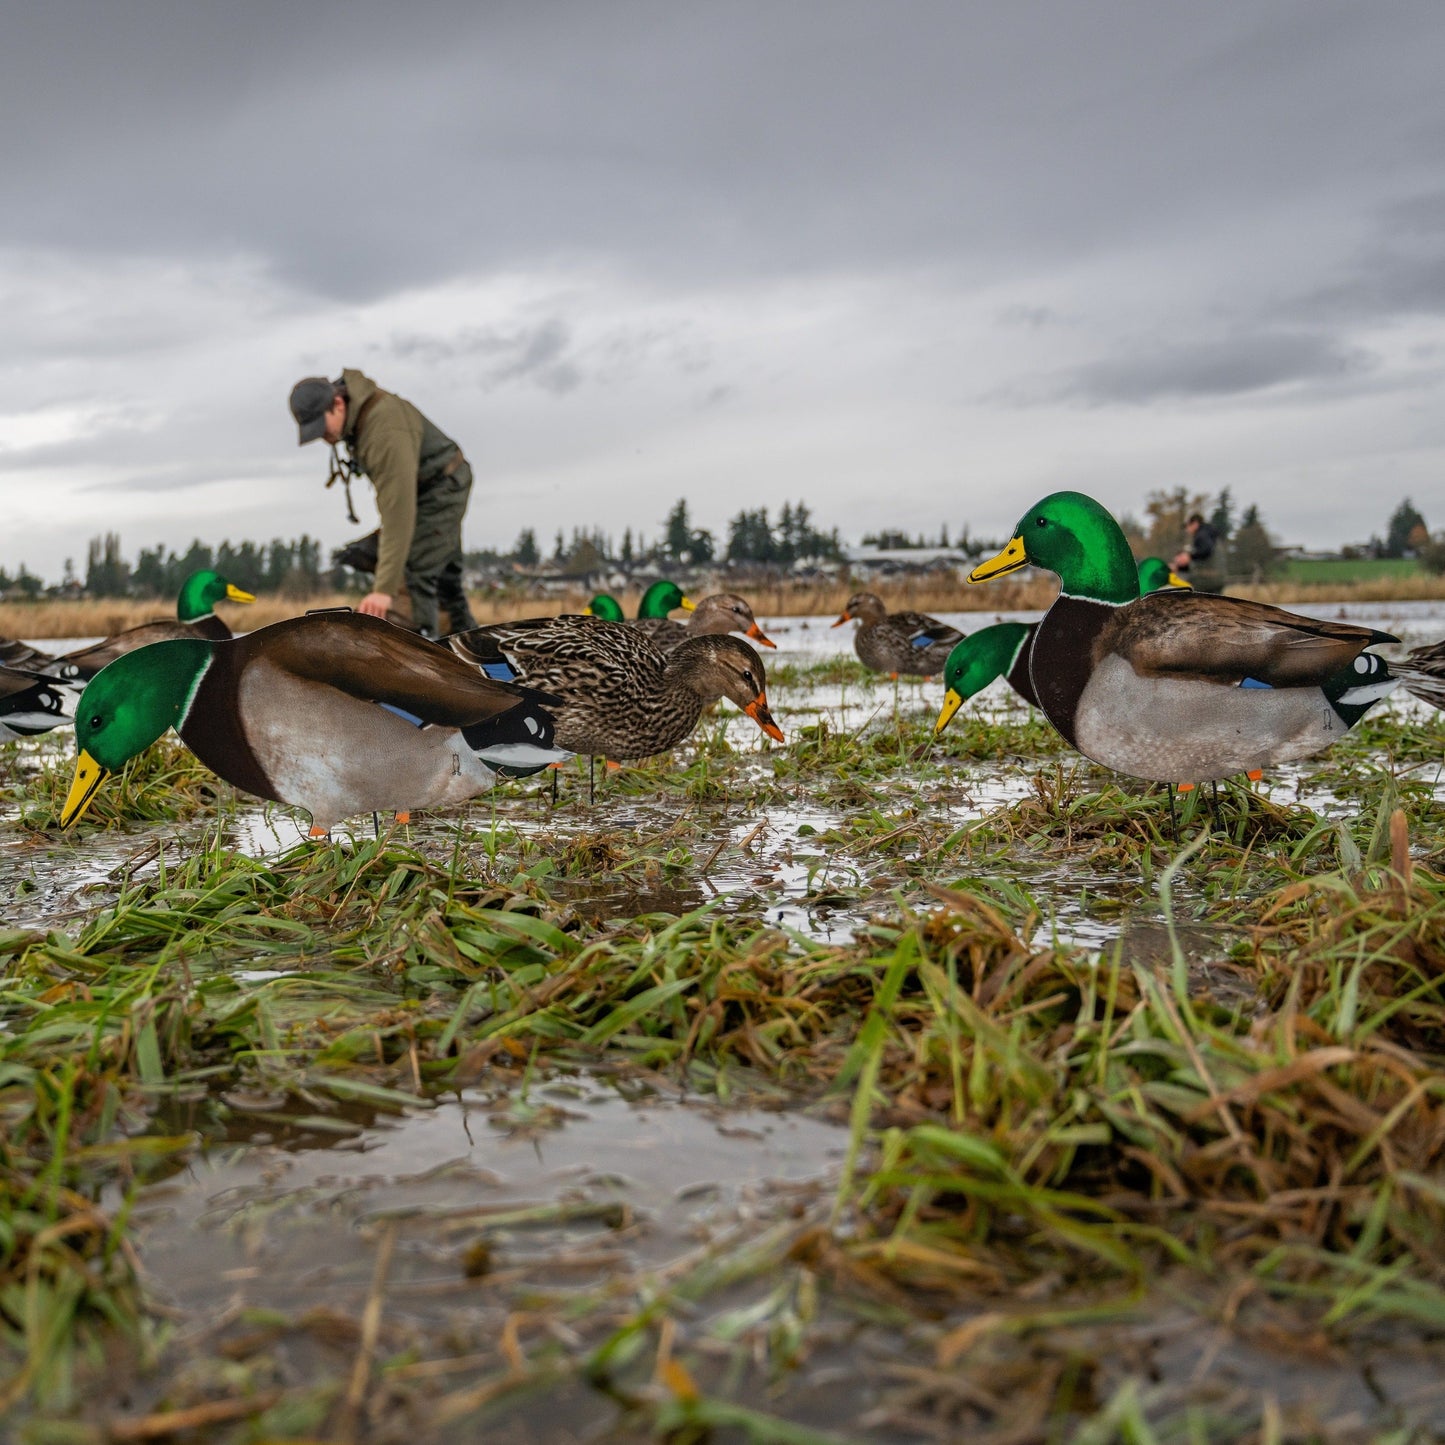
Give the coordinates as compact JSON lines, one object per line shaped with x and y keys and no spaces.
{"x":571,"y":230}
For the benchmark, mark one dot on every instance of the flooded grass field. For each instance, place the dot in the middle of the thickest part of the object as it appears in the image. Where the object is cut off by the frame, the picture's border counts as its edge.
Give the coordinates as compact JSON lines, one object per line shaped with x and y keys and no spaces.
{"x":867,"y":1088}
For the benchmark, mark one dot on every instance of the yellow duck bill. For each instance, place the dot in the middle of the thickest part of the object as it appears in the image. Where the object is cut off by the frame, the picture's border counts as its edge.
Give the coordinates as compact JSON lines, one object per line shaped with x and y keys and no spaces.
{"x":89,"y":775}
{"x":235,"y":594}
{"x":952,"y":701}
{"x":1009,"y":560}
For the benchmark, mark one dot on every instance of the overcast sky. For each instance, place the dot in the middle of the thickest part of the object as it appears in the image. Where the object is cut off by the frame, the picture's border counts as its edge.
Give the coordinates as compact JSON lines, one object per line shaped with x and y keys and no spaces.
{"x":911,"y":262}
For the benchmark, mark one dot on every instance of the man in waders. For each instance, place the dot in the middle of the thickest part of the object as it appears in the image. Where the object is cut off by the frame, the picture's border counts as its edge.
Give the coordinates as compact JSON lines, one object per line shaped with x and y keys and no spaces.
{"x":422,"y":484}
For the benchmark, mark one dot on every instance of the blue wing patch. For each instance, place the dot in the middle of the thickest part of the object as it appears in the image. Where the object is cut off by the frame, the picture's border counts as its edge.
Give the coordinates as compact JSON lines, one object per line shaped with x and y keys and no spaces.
{"x":403,"y":714}
{"x":500,"y":671}
{"x":1254,"y":682}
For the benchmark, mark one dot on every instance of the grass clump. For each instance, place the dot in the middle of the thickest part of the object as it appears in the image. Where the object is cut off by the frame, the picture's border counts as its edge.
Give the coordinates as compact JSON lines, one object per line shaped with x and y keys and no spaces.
{"x":1050,"y":1144}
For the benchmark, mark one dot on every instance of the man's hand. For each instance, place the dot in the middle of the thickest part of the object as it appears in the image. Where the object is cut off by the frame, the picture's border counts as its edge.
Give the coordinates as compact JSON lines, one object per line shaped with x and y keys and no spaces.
{"x":375,"y":604}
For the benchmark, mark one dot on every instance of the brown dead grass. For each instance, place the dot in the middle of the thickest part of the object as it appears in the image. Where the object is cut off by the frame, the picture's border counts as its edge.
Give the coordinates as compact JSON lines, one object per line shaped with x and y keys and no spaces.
{"x":100,"y":617}
{"x":1383,"y":589}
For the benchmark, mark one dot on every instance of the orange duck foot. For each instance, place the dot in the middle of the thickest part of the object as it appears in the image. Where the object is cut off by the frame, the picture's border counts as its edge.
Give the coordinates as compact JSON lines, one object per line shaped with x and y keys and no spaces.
{"x":319,"y":833}
{"x":1254,"y":774}
{"x":1186,"y":787}
{"x":611,"y":766}
{"x":404,"y":817}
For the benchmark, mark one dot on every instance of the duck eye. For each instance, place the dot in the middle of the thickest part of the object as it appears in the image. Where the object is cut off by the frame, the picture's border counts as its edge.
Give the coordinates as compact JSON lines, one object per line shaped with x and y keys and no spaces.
{"x":96,"y":721}
{"x":1042,"y":522}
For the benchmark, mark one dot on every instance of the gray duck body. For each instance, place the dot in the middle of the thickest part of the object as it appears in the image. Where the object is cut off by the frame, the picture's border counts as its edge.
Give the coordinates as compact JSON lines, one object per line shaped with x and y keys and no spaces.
{"x":342,"y":714}
{"x":1188,"y":687}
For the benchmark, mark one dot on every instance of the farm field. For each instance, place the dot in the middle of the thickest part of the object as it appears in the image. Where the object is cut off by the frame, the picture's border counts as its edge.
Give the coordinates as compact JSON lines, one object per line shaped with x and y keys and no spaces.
{"x":1344,"y":571}
{"x":868,"y":1087}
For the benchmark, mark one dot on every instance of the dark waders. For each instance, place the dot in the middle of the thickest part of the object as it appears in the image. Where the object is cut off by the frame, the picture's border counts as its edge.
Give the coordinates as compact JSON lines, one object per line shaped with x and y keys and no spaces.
{"x":434,"y":564}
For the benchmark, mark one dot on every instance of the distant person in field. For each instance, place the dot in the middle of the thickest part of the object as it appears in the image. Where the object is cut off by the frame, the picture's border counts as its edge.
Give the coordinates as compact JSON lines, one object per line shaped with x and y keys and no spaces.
{"x":1198,"y":559}
{"x":422,"y":484}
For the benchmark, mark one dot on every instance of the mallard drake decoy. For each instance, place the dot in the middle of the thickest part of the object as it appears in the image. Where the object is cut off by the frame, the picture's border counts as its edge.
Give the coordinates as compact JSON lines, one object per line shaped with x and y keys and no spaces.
{"x":605,"y":606}
{"x":17,"y":654}
{"x":661,"y":598}
{"x":1006,"y":650}
{"x":333,"y":712}
{"x":1184,"y":686}
{"x":29,"y":704}
{"x":653,"y":608}
{"x":1003,"y":650}
{"x":620,"y":696}
{"x":195,"y":617}
{"x":718,"y":613}
{"x":899,"y":643}
{"x":1155,"y":574}
{"x":652,"y":611}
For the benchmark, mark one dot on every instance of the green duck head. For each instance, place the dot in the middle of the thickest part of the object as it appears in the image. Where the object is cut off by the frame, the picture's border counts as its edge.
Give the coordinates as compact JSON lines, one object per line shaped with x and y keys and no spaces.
{"x":1071,"y":535}
{"x":608,"y":608}
{"x":126,"y":707}
{"x":202,"y":590}
{"x":975,"y":662}
{"x":662,"y":598}
{"x":1155,"y":574}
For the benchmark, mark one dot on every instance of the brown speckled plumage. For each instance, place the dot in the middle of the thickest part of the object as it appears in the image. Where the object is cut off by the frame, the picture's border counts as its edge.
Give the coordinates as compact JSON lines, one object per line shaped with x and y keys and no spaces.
{"x":909,"y":643}
{"x":721,"y":612}
{"x":621,"y":696}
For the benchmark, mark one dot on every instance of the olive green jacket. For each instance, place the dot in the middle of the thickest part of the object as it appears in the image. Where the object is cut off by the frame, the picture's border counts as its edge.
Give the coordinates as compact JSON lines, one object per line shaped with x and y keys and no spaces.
{"x":405,"y":455}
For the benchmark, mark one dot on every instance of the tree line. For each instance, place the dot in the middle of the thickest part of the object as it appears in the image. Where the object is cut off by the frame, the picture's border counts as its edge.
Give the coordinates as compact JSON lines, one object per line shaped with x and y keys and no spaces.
{"x":753,"y":537}
{"x":290,"y":567}
{"x":1248,"y":549}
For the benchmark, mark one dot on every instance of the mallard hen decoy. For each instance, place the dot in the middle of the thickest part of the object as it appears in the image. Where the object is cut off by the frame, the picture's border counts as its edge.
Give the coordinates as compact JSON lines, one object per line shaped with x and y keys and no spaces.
{"x":334,"y":712}
{"x":1006,"y":650}
{"x":195,"y":617}
{"x":620,"y":696}
{"x":898,"y":643}
{"x":1185,"y":686}
{"x":719,"y":613}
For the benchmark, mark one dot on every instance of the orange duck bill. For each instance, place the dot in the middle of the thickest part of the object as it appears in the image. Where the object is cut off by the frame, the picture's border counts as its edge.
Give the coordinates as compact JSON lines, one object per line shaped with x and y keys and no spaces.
{"x":757,"y":709}
{"x":846,"y":617}
{"x":758,"y":635}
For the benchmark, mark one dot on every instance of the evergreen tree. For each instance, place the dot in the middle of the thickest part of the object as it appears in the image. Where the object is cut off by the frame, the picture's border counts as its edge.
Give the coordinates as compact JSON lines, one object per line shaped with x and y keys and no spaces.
{"x":677,"y":533}
{"x":1253,"y":551}
{"x":1222,"y":517}
{"x":526,"y":551}
{"x":1406,"y":531}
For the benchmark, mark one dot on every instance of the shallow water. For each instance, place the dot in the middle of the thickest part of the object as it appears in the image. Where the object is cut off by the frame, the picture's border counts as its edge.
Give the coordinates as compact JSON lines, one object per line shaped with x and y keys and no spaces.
{"x":271,"y":1232}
